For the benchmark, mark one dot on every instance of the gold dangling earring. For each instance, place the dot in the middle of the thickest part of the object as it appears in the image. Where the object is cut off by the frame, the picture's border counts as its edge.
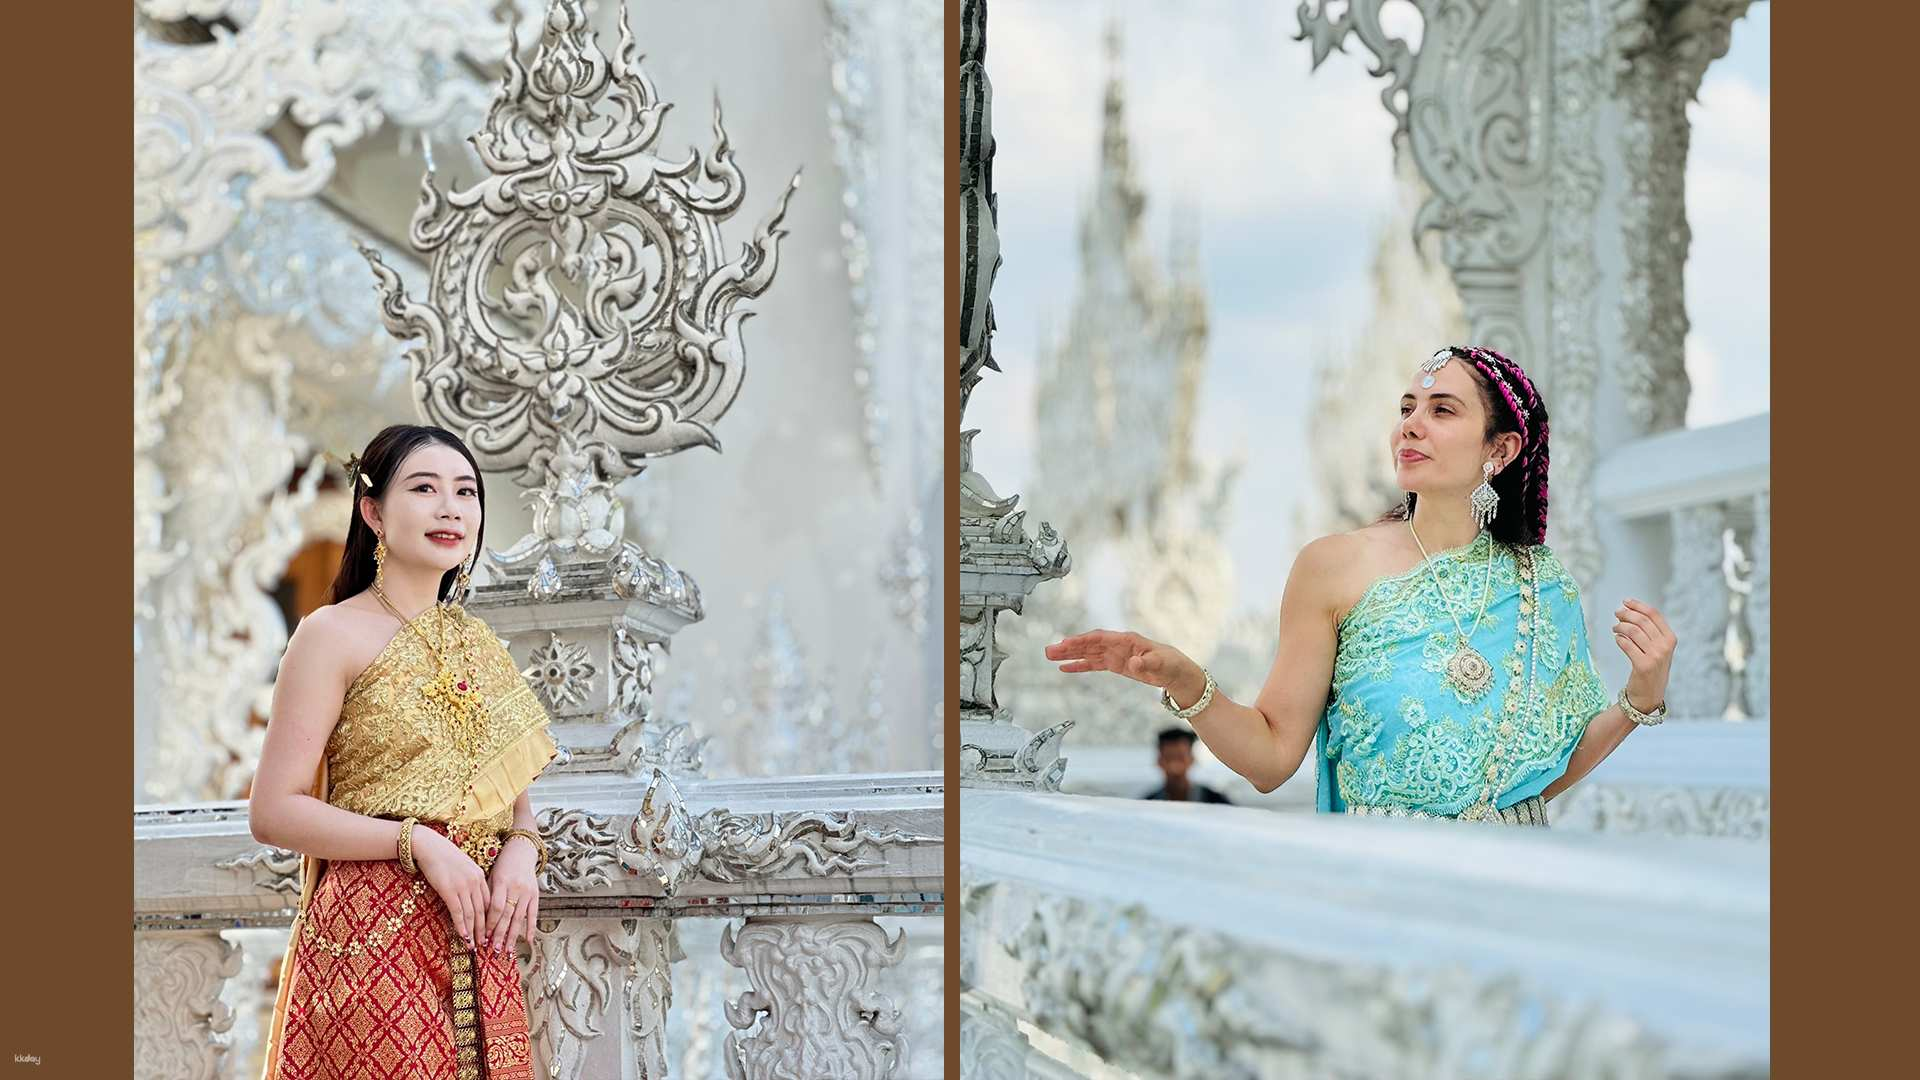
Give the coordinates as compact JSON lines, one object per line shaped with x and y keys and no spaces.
{"x":462,"y":583}
{"x":379,"y":562}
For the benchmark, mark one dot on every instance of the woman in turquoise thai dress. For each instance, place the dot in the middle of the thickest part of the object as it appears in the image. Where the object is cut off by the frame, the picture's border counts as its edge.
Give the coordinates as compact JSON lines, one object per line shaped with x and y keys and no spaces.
{"x":1436,"y":662}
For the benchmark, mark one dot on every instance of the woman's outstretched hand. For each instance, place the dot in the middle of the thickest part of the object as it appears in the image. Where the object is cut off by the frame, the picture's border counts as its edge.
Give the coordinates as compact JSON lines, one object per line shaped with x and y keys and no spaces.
{"x":1140,"y":659}
{"x":1644,"y":636}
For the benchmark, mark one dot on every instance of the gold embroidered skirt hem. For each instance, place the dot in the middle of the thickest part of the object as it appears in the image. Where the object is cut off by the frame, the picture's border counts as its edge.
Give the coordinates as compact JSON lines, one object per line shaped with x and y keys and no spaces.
{"x":1528,"y":811}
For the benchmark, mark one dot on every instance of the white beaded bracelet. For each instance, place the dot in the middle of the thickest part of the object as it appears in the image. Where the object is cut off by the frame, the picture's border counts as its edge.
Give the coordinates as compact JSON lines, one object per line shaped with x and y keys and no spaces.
{"x":1644,"y":719}
{"x":1195,"y":709}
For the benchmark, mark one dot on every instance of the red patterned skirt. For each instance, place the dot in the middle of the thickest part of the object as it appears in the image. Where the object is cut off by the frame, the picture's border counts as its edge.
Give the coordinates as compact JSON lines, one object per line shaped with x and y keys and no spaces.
{"x":380,"y":987}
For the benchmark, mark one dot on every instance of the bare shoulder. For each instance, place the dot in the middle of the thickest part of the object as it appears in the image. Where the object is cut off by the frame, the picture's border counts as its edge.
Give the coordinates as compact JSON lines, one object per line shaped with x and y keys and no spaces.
{"x":1322,"y":569}
{"x":339,"y":639}
{"x":1324,"y":555}
{"x":1337,"y":568}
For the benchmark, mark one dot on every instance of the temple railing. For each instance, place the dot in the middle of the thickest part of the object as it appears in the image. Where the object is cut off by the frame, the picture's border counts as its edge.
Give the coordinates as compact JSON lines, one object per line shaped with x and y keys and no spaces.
{"x":1679,"y":779}
{"x":1102,"y":937}
{"x":1701,"y":497}
{"x":804,"y":864}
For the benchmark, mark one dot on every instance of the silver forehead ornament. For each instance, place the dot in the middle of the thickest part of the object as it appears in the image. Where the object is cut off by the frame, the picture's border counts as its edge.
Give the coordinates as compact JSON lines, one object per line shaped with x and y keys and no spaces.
{"x":1432,"y":364}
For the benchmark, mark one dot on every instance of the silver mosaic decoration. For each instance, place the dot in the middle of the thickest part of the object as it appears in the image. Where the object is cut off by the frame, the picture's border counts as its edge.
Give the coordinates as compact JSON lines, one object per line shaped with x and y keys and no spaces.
{"x":787,"y":700}
{"x":587,"y":851}
{"x":561,"y":673}
{"x":180,"y":1025}
{"x":269,"y":869}
{"x":663,"y":841}
{"x":742,"y":847}
{"x":886,"y":55}
{"x":582,"y":316}
{"x":206,"y":95}
{"x":1172,"y":1001}
{"x":242,"y":355}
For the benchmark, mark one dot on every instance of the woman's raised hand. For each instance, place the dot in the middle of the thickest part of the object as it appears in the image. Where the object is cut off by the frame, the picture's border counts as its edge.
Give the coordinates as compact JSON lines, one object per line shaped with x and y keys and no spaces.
{"x":456,"y":877}
{"x":1644,"y":636}
{"x":1125,"y":653}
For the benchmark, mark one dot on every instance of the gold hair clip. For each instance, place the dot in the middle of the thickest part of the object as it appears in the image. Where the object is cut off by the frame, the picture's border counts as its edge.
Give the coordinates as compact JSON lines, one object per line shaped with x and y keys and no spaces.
{"x":352,"y":468}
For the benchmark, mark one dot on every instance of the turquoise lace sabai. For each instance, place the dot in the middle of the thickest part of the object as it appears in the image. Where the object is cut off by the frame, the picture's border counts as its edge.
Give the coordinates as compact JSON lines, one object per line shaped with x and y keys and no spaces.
{"x":1397,"y":734}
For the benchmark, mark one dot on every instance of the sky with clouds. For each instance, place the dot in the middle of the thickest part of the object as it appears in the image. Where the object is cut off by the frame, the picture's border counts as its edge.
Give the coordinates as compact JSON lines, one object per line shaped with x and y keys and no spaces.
{"x":1288,"y":174}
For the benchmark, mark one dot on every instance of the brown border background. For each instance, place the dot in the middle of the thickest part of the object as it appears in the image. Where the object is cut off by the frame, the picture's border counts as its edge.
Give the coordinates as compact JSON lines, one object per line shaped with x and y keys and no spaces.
{"x":66,"y":894}
{"x":1844,"y":746}
{"x":1842,"y":275}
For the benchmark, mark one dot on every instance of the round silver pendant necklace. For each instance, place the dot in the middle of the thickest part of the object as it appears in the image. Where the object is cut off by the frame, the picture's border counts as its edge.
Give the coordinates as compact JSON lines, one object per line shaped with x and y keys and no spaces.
{"x":1467,"y":671}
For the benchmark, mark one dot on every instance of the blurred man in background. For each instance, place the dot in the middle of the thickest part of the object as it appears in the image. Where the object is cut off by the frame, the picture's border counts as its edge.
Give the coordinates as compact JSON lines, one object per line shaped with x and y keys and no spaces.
{"x":1176,"y":758}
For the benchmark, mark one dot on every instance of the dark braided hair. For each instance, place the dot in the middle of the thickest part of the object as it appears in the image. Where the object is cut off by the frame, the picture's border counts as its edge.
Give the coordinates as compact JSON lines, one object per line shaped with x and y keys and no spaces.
{"x":1513,"y":404}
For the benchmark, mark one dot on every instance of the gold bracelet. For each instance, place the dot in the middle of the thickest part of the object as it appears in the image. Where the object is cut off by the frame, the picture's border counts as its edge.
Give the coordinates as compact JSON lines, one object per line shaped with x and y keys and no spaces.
{"x":539,"y":845}
{"x":405,"y":845}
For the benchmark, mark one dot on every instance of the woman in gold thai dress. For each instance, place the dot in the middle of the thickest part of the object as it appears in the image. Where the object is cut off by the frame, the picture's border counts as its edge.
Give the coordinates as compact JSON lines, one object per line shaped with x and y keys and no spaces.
{"x":397,"y":762}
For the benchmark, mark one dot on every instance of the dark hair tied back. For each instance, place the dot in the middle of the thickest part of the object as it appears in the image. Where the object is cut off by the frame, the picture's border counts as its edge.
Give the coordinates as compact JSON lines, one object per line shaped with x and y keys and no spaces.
{"x":374,"y":470}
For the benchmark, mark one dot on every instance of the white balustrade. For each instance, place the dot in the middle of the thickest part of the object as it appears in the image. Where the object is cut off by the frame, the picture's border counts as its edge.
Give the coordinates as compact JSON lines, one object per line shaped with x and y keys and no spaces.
{"x":1679,"y":779}
{"x":1173,"y":940}
{"x":799,"y":859}
{"x":1702,"y":497}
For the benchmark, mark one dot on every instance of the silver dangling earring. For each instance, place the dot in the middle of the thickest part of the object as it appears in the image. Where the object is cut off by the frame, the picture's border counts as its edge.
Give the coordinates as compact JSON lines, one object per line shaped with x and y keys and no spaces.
{"x":1484,"y":500}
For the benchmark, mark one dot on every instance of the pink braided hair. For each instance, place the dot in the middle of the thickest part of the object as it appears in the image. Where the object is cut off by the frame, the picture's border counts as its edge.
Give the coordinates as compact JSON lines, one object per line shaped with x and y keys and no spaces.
{"x":1533,"y":478}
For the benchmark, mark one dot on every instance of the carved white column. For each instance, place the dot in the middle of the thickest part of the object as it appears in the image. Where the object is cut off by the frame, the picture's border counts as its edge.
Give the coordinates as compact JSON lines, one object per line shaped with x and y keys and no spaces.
{"x":1660,"y":53}
{"x":812,"y":1012}
{"x":1759,"y":611}
{"x":598,"y":996}
{"x":1698,"y":608}
{"x":999,"y":564}
{"x":180,"y":1024}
